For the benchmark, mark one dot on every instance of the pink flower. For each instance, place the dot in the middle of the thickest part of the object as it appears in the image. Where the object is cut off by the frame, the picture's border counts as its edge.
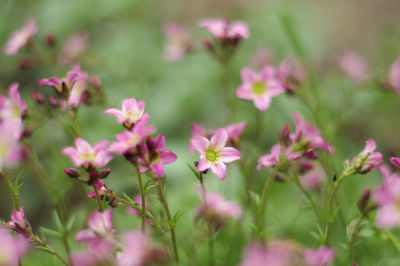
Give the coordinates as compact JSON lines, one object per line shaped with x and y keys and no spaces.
{"x":222,"y":29}
{"x":392,"y":81}
{"x":137,"y":250}
{"x":20,"y":37}
{"x":216,"y":208}
{"x":86,"y":156}
{"x":138,"y":201}
{"x":101,"y":189}
{"x":12,"y":107}
{"x":198,"y":130}
{"x":323,"y":256}
{"x":73,"y":47}
{"x":235,"y":131}
{"x":100,"y":227}
{"x":312,"y":179}
{"x":307,"y":137}
{"x":156,"y":156}
{"x":128,"y":140}
{"x":214,"y":154}
{"x":354,"y":65}
{"x":291,"y":74}
{"x":10,"y":150}
{"x":131,"y":113}
{"x":262,"y":57}
{"x":395,"y":161}
{"x":100,"y":252}
{"x":177,"y":42}
{"x":12,"y":247}
{"x":19,"y":223}
{"x":260,"y":87}
{"x":365,"y":160}
{"x":278,"y":156}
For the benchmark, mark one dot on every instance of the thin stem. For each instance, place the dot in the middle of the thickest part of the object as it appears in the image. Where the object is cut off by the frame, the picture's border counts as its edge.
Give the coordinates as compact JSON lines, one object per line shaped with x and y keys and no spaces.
{"x":13,"y":190}
{"x":142,"y":194}
{"x":330,"y":219}
{"x":354,"y":235}
{"x":211,"y":244}
{"x":392,"y":239}
{"x":170,"y":221}
{"x":98,"y":198}
{"x":264,"y":195}
{"x":42,"y":243}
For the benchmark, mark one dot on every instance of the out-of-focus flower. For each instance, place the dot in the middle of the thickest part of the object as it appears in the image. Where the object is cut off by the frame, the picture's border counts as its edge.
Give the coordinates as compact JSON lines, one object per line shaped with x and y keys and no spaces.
{"x":155,"y":156}
{"x":214,"y":154}
{"x":306,"y":137}
{"x":177,"y":40}
{"x":392,"y":81}
{"x":262,"y":57}
{"x":84,"y":155}
{"x":73,"y":46}
{"x":20,"y":37}
{"x":137,"y":250}
{"x":12,"y":248}
{"x":222,"y":29}
{"x":279,"y":157}
{"x":277,"y":253}
{"x":19,"y":223}
{"x":291,"y":74}
{"x":12,"y":107}
{"x":365,"y":160}
{"x":198,"y":130}
{"x":234,"y":132}
{"x":354,"y":65}
{"x":260,"y":87}
{"x":312,"y":179}
{"x":101,"y":190}
{"x":323,"y":256}
{"x":132,"y":111}
{"x":100,"y":252}
{"x":395,"y":161}
{"x":10,"y":150}
{"x":388,"y":199}
{"x":100,"y":227}
{"x":216,"y":208}
{"x":138,"y":201}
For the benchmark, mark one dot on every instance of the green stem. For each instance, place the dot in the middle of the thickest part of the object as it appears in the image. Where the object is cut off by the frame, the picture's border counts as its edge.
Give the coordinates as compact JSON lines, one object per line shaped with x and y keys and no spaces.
{"x":143,"y":196}
{"x":353,"y":237}
{"x":264,"y":195}
{"x":226,"y":90}
{"x":392,"y":239}
{"x":98,"y":198}
{"x":42,"y":243}
{"x":211,"y":244}
{"x":13,"y":190}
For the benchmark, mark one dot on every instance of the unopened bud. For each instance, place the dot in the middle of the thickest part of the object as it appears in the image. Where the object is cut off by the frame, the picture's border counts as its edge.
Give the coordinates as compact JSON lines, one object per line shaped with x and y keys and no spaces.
{"x":50,"y":40}
{"x":284,"y":136}
{"x":103,"y":173}
{"x":363,"y":201}
{"x":72,"y":172}
{"x":38,"y":97}
{"x":25,"y":64}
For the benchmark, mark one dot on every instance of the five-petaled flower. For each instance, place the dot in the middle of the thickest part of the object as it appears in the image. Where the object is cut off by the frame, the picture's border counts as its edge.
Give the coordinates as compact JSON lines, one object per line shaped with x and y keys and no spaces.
{"x":260,"y":87}
{"x":214,"y":154}
{"x":132,"y":112}
{"x":86,"y":156}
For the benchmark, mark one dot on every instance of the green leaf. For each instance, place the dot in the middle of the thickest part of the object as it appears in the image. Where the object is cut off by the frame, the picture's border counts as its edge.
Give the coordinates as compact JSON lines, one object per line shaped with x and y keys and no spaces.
{"x":128,"y":198}
{"x":50,"y":232}
{"x":57,"y":221}
{"x":197,"y":174}
{"x":45,"y":249}
{"x":178,"y":215}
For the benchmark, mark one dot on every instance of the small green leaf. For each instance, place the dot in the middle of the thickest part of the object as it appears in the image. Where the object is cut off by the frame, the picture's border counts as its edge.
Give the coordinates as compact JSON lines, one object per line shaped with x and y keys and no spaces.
{"x":50,"y":232}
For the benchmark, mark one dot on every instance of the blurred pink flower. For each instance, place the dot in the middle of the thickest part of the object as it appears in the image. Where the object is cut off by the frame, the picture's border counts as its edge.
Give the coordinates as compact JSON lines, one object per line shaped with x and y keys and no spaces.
{"x":100,"y":227}
{"x":156,"y":156}
{"x":100,"y":252}
{"x":312,"y":179}
{"x":262,"y":57}
{"x":260,"y":87}
{"x":10,"y":150}
{"x":291,"y":74}
{"x":132,"y":111}
{"x":354,"y":65}
{"x":323,"y":256}
{"x":222,"y":29}
{"x":278,"y":155}
{"x":86,"y":156}
{"x":73,"y":46}
{"x":12,"y":248}
{"x":214,"y":154}
{"x":177,"y":39}
{"x":19,"y":223}
{"x":363,"y":162}
{"x":20,"y":37}
{"x":198,"y":130}
{"x":216,"y":208}
{"x":395,"y":161}
{"x":12,"y":107}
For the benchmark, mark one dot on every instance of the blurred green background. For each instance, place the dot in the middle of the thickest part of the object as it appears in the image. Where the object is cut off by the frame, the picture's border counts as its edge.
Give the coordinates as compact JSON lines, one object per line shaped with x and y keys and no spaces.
{"x":125,"y":51}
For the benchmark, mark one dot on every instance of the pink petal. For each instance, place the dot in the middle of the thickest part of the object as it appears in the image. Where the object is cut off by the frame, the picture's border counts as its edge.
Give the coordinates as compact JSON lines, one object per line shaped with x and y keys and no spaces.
{"x":248,"y":75}
{"x":168,"y":156}
{"x":115,"y":112}
{"x":244,"y":92}
{"x":203,"y":165}
{"x":230,"y":154}
{"x":219,"y":138}
{"x":395,"y":161}
{"x":200,"y":144}
{"x":262,"y":103}
{"x":219,"y":170}
{"x":158,"y":169}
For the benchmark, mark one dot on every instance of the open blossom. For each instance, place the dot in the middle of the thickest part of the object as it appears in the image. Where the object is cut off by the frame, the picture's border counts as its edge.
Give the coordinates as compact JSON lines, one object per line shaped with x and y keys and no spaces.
{"x":86,"y":156}
{"x":99,"y":252}
{"x":100,"y":227}
{"x":10,"y":150}
{"x":214,"y":154}
{"x":156,"y":156}
{"x":323,"y":256}
{"x":307,"y":137}
{"x":137,"y":250}
{"x":260,"y":87}
{"x":354,"y":65}
{"x":20,"y":37}
{"x":222,"y":29}
{"x":367,"y":159}
{"x":177,"y":39}
{"x":12,"y":107}
{"x":132,"y":111}
{"x":276,"y":253}
{"x":12,"y":248}
{"x":19,"y":223}
{"x":279,"y":155}
{"x":262,"y":57}
{"x":216,"y":208}
{"x":73,"y":46}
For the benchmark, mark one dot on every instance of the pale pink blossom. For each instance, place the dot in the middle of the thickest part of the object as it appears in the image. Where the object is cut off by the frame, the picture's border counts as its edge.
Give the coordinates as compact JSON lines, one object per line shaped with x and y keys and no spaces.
{"x":278,"y":155}
{"x":323,"y":256}
{"x":216,"y":208}
{"x":260,"y":87}
{"x":132,"y":111}
{"x":222,"y":29}
{"x":100,"y":227}
{"x":235,"y":131}
{"x":214,"y":154}
{"x":20,"y":37}
{"x":100,"y":252}
{"x":72,"y":47}
{"x":10,"y":149}
{"x":177,"y":40}
{"x":312,"y":179}
{"x":354,"y":65}
{"x":12,"y":248}
{"x":84,"y":155}
{"x":12,"y":107}
{"x":291,"y":73}
{"x":198,"y":130}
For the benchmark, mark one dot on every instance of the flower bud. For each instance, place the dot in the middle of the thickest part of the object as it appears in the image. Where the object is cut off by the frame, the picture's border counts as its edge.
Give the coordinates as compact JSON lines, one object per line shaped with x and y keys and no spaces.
{"x":284,"y":136}
{"x":103,"y":173}
{"x":72,"y":172}
{"x":50,"y":40}
{"x":38,"y":97}
{"x":363,"y":201}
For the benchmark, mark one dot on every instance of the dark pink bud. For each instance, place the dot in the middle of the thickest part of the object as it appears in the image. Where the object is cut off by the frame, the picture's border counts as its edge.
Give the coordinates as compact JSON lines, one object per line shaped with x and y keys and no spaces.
{"x":50,"y":40}
{"x":26,"y":63}
{"x":38,"y":97}
{"x":103,"y":173}
{"x":54,"y":102}
{"x":72,"y":172}
{"x":284,"y":136}
{"x":363,"y":201}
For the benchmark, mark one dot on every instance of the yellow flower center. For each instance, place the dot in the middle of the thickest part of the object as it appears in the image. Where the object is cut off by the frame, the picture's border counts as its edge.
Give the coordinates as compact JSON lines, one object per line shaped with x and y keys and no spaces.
{"x":259,"y":87}
{"x":212,"y":154}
